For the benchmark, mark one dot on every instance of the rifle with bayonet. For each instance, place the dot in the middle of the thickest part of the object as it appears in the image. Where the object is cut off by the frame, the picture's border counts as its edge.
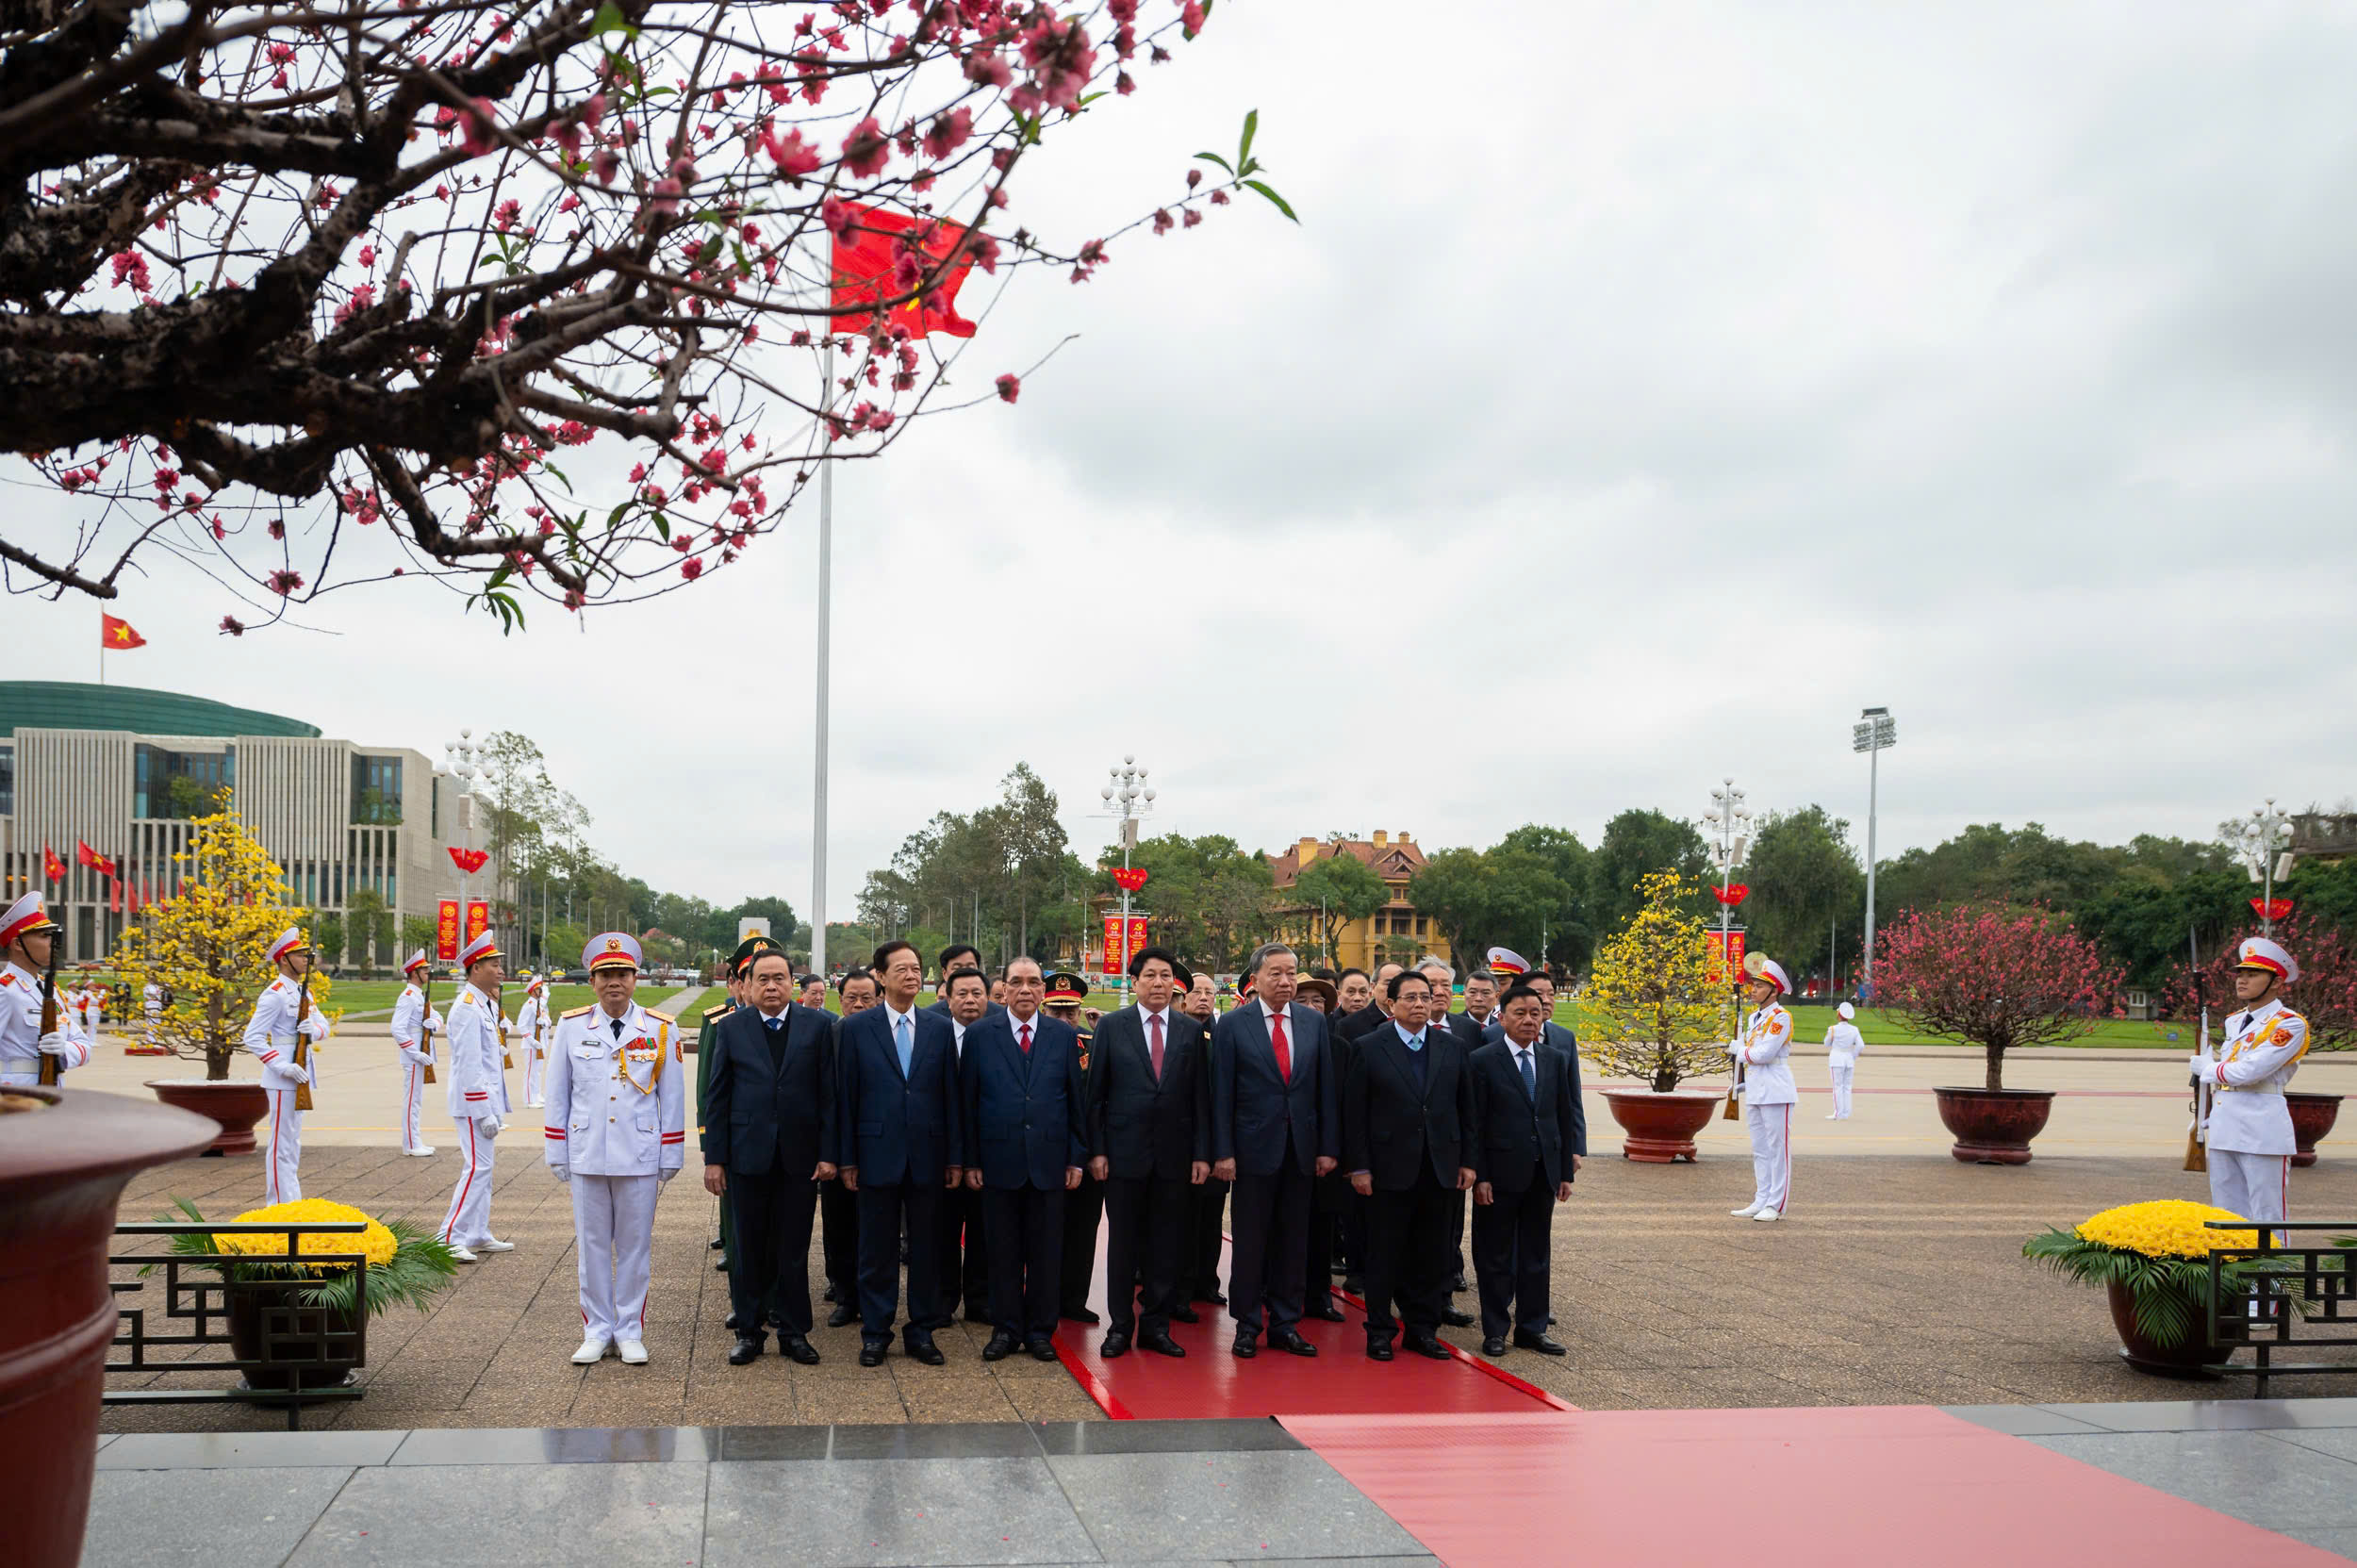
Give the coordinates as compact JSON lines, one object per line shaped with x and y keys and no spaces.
{"x":47,"y":1074}
{"x":302,"y":1041}
{"x":2197,"y":1151}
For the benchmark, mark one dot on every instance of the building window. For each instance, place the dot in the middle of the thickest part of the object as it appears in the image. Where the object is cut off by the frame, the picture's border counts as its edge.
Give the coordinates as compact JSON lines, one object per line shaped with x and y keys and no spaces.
{"x":7,"y":780}
{"x":375,"y":790}
{"x":180,"y":785}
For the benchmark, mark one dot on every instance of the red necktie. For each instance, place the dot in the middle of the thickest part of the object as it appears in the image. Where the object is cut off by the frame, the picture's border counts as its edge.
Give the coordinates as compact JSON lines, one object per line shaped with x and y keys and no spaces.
{"x":1154,"y":1048}
{"x":1023,"y":1038}
{"x":1276,"y":1043}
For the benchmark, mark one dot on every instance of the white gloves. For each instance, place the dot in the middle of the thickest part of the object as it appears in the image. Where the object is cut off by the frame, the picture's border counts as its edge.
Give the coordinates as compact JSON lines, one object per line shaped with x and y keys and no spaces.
{"x":316,"y":1026}
{"x":2202,"y":1068}
{"x":563,"y":1173}
{"x":55,"y":1044}
{"x":489,"y":1125}
{"x":295,"y":1074}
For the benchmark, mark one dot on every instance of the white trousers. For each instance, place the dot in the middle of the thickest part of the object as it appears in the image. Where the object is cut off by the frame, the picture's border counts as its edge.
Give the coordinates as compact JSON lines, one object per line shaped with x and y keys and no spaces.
{"x":470,"y":1219}
{"x":536,"y":1075}
{"x":1842,"y":1073}
{"x":282,"y":1167}
{"x":1771,"y":1127}
{"x":614,"y":1235}
{"x":2256,"y":1186}
{"x":412,"y":1097}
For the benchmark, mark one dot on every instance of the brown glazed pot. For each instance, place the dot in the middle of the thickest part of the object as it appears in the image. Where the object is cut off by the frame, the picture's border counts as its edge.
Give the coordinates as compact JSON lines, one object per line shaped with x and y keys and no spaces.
{"x":2192,"y":1359}
{"x":2312,"y":1117}
{"x":234,"y":1103}
{"x":1660,"y":1128}
{"x":1993,"y":1127}
{"x":62,"y":1169}
{"x":296,"y":1335}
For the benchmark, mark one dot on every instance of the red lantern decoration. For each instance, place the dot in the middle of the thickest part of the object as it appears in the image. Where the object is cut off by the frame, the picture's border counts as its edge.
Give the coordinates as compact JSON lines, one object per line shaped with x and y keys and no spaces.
{"x":1129,"y":878}
{"x":1731,"y":895}
{"x":2271,"y":909}
{"x":469,"y":861}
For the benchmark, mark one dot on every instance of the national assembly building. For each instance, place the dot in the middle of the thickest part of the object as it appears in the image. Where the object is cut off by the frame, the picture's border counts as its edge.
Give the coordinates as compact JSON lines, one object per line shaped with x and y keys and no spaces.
{"x":102,"y":776}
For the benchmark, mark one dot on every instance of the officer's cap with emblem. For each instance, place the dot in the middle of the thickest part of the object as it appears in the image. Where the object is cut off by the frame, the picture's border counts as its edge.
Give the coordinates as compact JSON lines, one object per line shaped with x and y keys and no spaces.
{"x":474,"y":952}
{"x":292,"y":940}
{"x":2258,"y":952}
{"x":533,"y":983}
{"x":749,"y":950}
{"x":26,"y":917}
{"x":1066,"y":990}
{"x":1506,"y":962}
{"x":1846,"y":1011}
{"x":417,"y":961}
{"x":1761,"y":967}
{"x":613,"y":950}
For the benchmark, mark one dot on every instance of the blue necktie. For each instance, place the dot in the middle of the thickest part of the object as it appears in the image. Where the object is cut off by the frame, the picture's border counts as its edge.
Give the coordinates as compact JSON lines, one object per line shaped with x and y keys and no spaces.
{"x":1530,"y":1074}
{"x":775,"y":1024}
{"x":901,"y":1037}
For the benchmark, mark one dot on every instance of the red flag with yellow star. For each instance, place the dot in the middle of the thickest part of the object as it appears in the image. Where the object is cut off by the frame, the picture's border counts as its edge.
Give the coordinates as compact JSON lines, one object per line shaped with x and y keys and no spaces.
{"x":117,"y":635}
{"x":868,"y":257}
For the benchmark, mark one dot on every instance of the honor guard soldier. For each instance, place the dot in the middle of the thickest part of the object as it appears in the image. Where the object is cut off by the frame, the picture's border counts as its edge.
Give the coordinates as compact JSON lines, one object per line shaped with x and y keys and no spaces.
{"x":2251,"y":1126}
{"x":1084,"y":1206}
{"x":28,"y":939}
{"x":1842,"y":1045}
{"x":616,"y":1134}
{"x":1764,"y":1056}
{"x":537,"y":1026}
{"x":478,"y":1099}
{"x":415,"y":1025}
{"x":281,"y":1033}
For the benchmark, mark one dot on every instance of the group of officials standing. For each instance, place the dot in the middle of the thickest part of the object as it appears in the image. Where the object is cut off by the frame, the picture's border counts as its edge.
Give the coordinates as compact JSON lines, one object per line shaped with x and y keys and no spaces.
{"x":982,"y":1141}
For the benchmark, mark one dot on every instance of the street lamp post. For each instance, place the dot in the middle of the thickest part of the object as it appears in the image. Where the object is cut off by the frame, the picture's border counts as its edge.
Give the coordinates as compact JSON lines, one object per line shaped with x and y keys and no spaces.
{"x":459,"y":759}
{"x":1129,"y":797}
{"x":1729,"y":823}
{"x":2257,"y":841}
{"x":1874,"y":733}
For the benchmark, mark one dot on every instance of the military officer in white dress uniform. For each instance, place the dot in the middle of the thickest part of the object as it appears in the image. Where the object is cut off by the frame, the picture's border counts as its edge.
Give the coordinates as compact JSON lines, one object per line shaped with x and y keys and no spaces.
{"x":536,"y":1026}
{"x":26,"y":933}
{"x":2251,"y":1126}
{"x":616,"y":1134}
{"x":478,"y":1097}
{"x":1842,"y":1045}
{"x":415,"y":1029}
{"x":1765,"y":1051}
{"x":272,"y":1035}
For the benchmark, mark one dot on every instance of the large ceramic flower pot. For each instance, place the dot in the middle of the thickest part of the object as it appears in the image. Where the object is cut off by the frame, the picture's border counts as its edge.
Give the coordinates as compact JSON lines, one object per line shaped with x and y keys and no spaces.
{"x":2193,"y":1359}
{"x":2312,"y":1117}
{"x":298,"y":1338}
{"x":65,"y":1157}
{"x":235,"y":1105}
{"x":1661,"y":1127}
{"x":1993,"y":1127}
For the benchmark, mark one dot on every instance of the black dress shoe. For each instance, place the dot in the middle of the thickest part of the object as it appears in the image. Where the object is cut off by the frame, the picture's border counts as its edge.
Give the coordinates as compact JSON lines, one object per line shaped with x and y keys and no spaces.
{"x":1079,"y":1315}
{"x":871,"y":1354}
{"x":1326,"y":1312}
{"x":1001,"y":1345}
{"x":1210,"y":1296}
{"x":1042,"y":1350}
{"x":1113,"y":1345}
{"x":1456,"y":1319}
{"x":1494,"y":1346}
{"x":1425,"y":1345}
{"x":1459,"y":1284}
{"x":1355,"y":1284}
{"x":1163,"y":1345}
{"x":843,"y":1316}
{"x":795,"y":1347}
{"x":1247,"y":1344}
{"x":716,"y":1242}
{"x":747,"y":1350}
{"x":1378,"y":1350}
{"x":1184,"y":1313}
{"x":925,"y":1350}
{"x":729,"y":1323}
{"x":720,"y":1265}
{"x":1539,"y":1343}
{"x":1291,"y":1342}
{"x":831,"y":1294}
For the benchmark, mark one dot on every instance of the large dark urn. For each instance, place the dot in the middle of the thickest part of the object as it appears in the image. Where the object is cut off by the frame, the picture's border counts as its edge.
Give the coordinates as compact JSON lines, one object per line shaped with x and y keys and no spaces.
{"x":1661,"y":1127}
{"x":234,"y":1103}
{"x":2313,"y":1117}
{"x":65,"y":1157}
{"x":1993,"y":1127}
{"x":268,"y":1324}
{"x":2193,"y":1358}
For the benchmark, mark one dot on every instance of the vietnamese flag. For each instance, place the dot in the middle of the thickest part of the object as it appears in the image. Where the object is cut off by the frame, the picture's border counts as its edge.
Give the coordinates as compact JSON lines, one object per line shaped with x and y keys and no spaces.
{"x":117,"y":634}
{"x":51,"y":867}
{"x":867,"y":261}
{"x":93,"y":859}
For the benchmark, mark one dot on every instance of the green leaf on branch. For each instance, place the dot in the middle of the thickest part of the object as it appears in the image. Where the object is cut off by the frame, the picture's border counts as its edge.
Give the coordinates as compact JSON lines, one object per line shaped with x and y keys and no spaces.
{"x":611,"y":20}
{"x":560,"y":475}
{"x":1251,"y":128}
{"x":1213,"y":157}
{"x":1282,"y":206}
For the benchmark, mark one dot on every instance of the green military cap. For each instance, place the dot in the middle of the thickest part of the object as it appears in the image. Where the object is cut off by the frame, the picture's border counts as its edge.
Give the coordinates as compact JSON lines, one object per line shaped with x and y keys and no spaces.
{"x":749,"y":950}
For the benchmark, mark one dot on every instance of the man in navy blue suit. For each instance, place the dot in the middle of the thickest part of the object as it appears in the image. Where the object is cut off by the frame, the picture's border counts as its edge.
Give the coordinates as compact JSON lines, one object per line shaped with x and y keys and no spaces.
{"x":1275,"y":1125}
{"x":902,"y":1143}
{"x":1027,"y":1123}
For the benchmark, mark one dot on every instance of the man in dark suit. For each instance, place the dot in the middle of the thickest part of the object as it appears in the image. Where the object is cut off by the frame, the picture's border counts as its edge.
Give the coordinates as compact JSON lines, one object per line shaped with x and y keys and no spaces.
{"x":856,"y":991}
{"x":1377,"y":1009}
{"x":1566,"y":1045}
{"x":964,"y":1255}
{"x":769,"y":1134}
{"x":1207,"y":1205}
{"x":1471,"y":1026}
{"x":1526,"y":1105}
{"x":1275,"y":1125}
{"x":1150,"y":1141}
{"x":1408,"y":1115}
{"x":1027,"y":1118}
{"x":1480,"y":1013}
{"x":956,"y":956}
{"x":902,"y":1144}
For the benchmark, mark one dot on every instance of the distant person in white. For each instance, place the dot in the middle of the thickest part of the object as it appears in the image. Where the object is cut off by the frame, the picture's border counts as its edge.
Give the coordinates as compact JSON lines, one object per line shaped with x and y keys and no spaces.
{"x":1842,"y":1045}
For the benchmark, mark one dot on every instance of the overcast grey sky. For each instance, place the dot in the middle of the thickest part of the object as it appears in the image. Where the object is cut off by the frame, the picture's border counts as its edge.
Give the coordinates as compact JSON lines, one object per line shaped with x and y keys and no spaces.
{"x":1645,"y":390}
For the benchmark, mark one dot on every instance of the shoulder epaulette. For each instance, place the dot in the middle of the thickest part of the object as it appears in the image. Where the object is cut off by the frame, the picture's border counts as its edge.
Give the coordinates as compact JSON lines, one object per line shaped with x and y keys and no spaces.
{"x":720,"y":1012}
{"x":579,"y":1011}
{"x":7,"y":979}
{"x":652,"y":1013}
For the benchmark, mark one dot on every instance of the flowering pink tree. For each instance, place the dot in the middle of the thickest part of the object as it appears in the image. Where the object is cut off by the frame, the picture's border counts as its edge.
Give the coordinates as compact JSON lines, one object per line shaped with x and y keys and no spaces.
{"x":1998,"y":978}
{"x":305,"y":296}
{"x":2326,"y":995}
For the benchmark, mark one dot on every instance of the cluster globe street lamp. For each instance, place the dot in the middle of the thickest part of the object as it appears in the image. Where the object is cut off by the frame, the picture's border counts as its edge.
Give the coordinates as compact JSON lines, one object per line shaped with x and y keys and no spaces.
{"x":1728,"y":823}
{"x":2257,"y":840}
{"x":1874,"y":733}
{"x":462,"y":760}
{"x":1127,"y":797}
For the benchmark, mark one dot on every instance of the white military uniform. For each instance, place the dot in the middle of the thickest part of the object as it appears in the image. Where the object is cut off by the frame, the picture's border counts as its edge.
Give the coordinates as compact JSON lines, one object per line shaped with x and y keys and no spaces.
{"x":270,"y":1035}
{"x":21,"y":1043}
{"x":617,"y":1129}
{"x":152,"y":1008}
{"x":1842,"y":1045}
{"x":415,"y":1026}
{"x":1769,"y":1095}
{"x":2250,"y":1128}
{"x":536,"y":1026}
{"x":478,"y":1104}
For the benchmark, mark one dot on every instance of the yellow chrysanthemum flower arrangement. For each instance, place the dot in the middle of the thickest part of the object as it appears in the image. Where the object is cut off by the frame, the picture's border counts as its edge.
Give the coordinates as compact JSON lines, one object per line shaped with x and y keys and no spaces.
{"x":2168,"y":1227}
{"x":376,"y":1243}
{"x":2159,"y":1253}
{"x":403,"y":1265}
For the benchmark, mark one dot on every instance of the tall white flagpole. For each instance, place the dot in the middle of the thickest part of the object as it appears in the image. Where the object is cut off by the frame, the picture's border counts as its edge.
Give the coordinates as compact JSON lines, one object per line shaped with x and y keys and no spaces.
{"x":825,"y":568}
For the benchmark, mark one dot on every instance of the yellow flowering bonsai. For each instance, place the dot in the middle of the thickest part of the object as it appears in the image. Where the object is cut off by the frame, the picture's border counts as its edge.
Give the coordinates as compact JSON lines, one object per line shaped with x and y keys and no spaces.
{"x":1650,"y":1009}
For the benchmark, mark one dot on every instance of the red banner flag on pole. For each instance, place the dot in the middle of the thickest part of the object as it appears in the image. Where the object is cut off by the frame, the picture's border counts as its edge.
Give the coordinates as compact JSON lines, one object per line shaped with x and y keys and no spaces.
{"x":93,"y":859}
{"x":117,"y":635}
{"x":880,"y":255}
{"x":51,"y":866}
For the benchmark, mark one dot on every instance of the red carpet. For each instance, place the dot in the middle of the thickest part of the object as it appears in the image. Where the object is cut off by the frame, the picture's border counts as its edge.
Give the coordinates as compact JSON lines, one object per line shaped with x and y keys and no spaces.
{"x":1819,"y":1487}
{"x":1211,"y":1382}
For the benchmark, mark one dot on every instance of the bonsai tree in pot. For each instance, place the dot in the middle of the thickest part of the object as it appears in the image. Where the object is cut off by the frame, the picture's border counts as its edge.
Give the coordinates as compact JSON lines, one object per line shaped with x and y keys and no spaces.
{"x":1652,"y":1011}
{"x":2326,"y":997}
{"x":1997,"y":979}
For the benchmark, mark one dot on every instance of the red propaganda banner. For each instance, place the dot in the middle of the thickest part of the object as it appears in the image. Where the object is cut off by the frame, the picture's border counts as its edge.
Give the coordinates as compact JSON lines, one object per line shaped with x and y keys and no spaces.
{"x":2271,"y":909}
{"x":1138,"y":940}
{"x":1129,"y":878}
{"x":1731,"y":895}
{"x":1114,"y":958}
{"x":1727,"y":960}
{"x":469,"y":861}
{"x":478,"y":917}
{"x":446,"y":930}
